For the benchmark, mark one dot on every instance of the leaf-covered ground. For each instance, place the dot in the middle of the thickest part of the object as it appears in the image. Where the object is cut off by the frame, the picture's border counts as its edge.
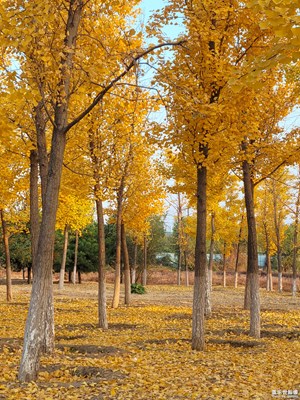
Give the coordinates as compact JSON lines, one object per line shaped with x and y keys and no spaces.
{"x":146,"y":353}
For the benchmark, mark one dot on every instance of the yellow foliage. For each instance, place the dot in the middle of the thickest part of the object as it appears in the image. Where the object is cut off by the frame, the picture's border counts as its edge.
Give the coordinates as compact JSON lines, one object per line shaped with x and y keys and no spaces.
{"x":146,"y":353}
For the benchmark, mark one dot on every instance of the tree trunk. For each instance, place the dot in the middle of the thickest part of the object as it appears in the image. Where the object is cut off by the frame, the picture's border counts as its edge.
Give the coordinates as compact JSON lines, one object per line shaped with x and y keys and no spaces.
{"x":247,"y":295}
{"x":40,"y":126}
{"x":144,"y":276}
{"x":198,"y":328}
{"x":186,"y":270}
{"x":211,"y":250}
{"x":29,"y":269}
{"x":34,"y":208}
{"x":75,"y":257}
{"x":64,"y":259}
{"x":102,"y":313}
{"x":179,"y":264}
{"x":236,"y":271}
{"x":252,"y":256}
{"x":295,"y":246}
{"x":278,"y":239}
{"x":39,"y":330}
{"x":179,"y":219}
{"x":224,"y":265}
{"x":126,"y":265}
{"x":268,"y":259}
{"x":117,"y":284}
{"x":7,"y":258}
{"x":133,"y":270}
{"x":208,"y":291}
{"x":269,"y":272}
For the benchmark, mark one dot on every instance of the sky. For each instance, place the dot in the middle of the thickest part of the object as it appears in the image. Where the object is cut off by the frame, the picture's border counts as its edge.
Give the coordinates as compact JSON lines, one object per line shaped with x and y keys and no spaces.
{"x":148,"y":6}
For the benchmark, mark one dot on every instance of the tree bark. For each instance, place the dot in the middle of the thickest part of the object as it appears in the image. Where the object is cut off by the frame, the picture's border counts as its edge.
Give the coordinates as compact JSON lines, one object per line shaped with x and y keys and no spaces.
{"x":252,"y":256}
{"x":64,"y":259}
{"x":134,"y":266}
{"x":34,"y":208}
{"x":186,"y":270}
{"x":144,"y":276}
{"x":39,"y":330}
{"x":40,"y":126}
{"x":179,"y":219}
{"x":102,"y":313}
{"x":268,"y":259}
{"x":236,"y":271}
{"x":278,"y":239}
{"x":211,"y":249}
{"x":198,"y":328}
{"x":126,"y":265}
{"x":208,"y":291}
{"x":74,"y":272}
{"x":224,"y":265}
{"x":295,"y":246}
{"x":117,"y":284}
{"x":7,"y":258}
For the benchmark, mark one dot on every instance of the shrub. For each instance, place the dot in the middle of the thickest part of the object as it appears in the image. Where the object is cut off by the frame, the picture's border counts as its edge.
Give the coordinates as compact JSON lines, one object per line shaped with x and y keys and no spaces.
{"x":137,"y":288}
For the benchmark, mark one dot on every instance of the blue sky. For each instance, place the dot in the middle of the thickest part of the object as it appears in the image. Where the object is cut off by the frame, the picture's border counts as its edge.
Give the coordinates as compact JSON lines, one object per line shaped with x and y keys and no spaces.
{"x":149,"y":5}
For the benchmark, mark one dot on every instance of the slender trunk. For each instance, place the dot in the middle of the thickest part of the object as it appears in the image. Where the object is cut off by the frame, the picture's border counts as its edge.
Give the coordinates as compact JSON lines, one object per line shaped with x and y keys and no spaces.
{"x":64,"y":259}
{"x":133,"y":270}
{"x":198,"y":328}
{"x":179,"y":219}
{"x":102,"y":313}
{"x":247,"y":295}
{"x":295,"y":246}
{"x":211,"y":250}
{"x":7,"y":258}
{"x":179,"y":267}
{"x":126,"y":265}
{"x":208,"y":291}
{"x":269,"y":272}
{"x":34,"y":208}
{"x":268,"y":259}
{"x":236,"y":271}
{"x":117,"y":284}
{"x":278,"y":239}
{"x":224,"y":265}
{"x":144,"y":276}
{"x":186,"y":270}
{"x":252,"y":261}
{"x":73,"y":278}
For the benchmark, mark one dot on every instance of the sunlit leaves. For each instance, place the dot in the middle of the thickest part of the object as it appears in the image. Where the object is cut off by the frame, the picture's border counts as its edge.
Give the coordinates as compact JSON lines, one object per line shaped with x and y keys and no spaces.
{"x":148,"y":344}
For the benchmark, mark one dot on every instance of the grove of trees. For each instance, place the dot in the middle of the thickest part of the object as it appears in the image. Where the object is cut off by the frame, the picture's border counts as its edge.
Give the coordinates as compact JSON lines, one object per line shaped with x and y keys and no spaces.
{"x":85,"y":161}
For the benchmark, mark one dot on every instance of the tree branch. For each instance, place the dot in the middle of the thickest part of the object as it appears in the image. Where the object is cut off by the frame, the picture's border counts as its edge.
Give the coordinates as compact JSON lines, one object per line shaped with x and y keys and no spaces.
{"x":106,"y":89}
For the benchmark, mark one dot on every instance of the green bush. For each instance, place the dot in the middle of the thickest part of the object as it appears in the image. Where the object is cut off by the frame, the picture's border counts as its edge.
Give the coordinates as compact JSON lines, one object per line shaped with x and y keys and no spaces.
{"x":137,"y":288}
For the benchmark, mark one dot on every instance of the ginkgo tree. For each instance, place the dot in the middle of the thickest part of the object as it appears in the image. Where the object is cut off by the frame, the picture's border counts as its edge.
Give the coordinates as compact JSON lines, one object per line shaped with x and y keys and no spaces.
{"x":221,"y":35}
{"x":59,"y":54}
{"x":263,"y":149}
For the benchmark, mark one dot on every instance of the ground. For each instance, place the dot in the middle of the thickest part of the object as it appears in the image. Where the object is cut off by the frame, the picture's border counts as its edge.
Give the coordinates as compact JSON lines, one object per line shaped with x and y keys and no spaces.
{"x":146,"y":353}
